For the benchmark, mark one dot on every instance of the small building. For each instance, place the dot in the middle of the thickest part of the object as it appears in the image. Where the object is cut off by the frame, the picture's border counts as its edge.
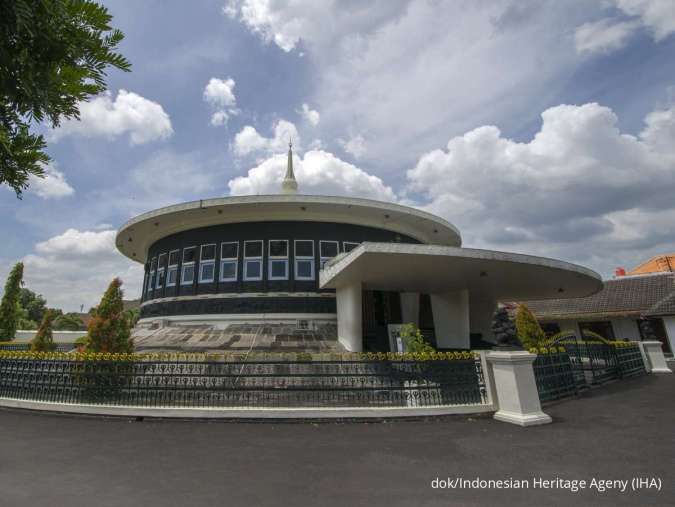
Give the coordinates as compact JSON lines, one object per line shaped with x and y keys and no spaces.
{"x":307,"y":272}
{"x":664,"y":263}
{"x":615,"y":312}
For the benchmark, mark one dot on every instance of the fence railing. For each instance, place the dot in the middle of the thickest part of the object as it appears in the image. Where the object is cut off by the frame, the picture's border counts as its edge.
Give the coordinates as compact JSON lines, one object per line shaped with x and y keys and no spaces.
{"x":21,"y":347}
{"x":292,"y":384}
{"x":554,"y":375}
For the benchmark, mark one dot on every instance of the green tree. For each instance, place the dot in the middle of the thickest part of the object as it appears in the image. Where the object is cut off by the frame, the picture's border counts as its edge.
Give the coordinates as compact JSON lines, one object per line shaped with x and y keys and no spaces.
{"x":34,"y":304}
{"x":530,"y":333}
{"x":132,"y":315}
{"x":24,"y":322}
{"x":414,"y":339}
{"x":109,"y":329}
{"x":69,"y":322}
{"x":53,"y":55}
{"x":10,"y":310}
{"x":44,"y":341}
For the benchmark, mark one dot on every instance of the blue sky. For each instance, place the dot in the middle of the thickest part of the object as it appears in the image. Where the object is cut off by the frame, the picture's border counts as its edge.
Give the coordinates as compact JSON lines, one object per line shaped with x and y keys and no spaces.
{"x":541,"y":127}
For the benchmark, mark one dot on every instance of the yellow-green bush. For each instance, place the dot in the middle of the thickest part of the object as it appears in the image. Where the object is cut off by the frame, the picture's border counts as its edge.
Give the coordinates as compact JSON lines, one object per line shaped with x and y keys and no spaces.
{"x":530,"y":333}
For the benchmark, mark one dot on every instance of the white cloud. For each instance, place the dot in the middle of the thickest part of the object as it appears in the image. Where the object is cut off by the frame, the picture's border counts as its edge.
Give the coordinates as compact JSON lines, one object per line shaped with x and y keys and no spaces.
{"x":220,"y":94}
{"x":52,"y":186}
{"x":609,"y":34}
{"x":75,"y":268}
{"x":249,"y":141}
{"x":143,"y":119}
{"x":603,"y":36}
{"x":318,"y":172}
{"x":311,"y":116}
{"x":355,"y":145}
{"x":578,"y":187}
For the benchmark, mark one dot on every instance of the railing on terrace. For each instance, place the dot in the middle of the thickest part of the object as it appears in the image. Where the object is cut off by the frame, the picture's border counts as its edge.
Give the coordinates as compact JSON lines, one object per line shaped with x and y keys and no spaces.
{"x":68,"y":378}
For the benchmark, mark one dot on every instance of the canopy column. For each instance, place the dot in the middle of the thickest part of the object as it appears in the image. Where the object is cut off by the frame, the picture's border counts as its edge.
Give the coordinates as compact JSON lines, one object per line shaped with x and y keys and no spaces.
{"x":349,"y":311}
{"x":451,"y":319}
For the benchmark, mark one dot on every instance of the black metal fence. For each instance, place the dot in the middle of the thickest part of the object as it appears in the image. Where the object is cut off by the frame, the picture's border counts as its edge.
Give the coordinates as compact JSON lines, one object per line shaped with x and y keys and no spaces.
{"x":297,"y":384}
{"x":573,"y":365}
{"x":24,"y":347}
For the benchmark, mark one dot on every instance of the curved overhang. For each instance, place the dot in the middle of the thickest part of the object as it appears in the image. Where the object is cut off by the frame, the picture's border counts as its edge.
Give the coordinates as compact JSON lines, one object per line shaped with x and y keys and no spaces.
{"x":136,"y":236}
{"x":438,"y":269}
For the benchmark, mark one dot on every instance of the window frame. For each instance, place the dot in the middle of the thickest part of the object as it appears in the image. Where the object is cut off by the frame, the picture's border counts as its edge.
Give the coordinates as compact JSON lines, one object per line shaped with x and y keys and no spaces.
{"x":252,"y":259}
{"x":207,"y":262}
{"x":304,"y":258}
{"x":345,"y":243}
{"x":172,"y":268}
{"x":161,"y":271}
{"x":187,"y":265}
{"x":151,"y":279}
{"x":223,"y":260}
{"x":277,"y":258}
{"x":323,"y":260}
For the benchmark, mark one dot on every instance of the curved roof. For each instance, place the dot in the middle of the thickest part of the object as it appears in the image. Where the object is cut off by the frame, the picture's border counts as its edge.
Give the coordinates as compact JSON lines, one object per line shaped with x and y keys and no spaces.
{"x":135,"y":237}
{"x":432,"y":269}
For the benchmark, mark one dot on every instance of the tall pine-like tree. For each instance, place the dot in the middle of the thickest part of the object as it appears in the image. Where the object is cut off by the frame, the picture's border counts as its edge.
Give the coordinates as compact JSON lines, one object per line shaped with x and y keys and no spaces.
{"x":9,"y":307}
{"x":44,"y":340}
{"x":109,"y":330}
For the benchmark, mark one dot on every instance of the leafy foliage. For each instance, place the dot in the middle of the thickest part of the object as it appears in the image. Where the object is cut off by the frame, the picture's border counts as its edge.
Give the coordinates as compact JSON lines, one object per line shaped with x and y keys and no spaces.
{"x":10,"y":310}
{"x":69,"y":322}
{"x":44,"y":341}
{"x":53,"y":55}
{"x":132,"y":315}
{"x":414,"y":340}
{"x":530,"y":333}
{"x":34,"y":304}
{"x":109,"y":329}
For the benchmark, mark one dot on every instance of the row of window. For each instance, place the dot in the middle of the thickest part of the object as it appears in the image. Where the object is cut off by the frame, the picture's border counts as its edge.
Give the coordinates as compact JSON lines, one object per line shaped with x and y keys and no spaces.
{"x":277,"y":262}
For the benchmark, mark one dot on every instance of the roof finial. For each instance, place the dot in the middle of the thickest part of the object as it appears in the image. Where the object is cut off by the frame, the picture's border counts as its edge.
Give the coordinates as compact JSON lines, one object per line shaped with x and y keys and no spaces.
{"x":289,"y":185}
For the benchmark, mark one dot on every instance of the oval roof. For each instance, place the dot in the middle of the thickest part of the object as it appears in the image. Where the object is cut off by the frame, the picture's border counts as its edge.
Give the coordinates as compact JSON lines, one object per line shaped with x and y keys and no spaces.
{"x":135,"y":237}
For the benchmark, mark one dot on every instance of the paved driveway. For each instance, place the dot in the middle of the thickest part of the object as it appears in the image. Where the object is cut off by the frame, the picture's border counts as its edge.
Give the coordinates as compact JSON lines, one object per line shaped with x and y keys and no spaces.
{"x":618,"y":431}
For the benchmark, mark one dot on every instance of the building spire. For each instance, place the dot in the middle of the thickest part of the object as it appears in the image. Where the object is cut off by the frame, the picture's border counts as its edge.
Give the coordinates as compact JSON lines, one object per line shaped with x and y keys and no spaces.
{"x":289,"y":185}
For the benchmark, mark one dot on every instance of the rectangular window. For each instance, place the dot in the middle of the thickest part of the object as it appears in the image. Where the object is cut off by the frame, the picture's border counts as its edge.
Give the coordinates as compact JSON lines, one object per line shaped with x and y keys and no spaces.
{"x":229,"y":259}
{"x":161,"y":269}
{"x":348,"y":246}
{"x":151,"y":277}
{"x":304,"y":259}
{"x":278,"y":259}
{"x":172,"y":270}
{"x":187,"y":275}
{"x":253,"y":259}
{"x":207,"y":263}
{"x":327,"y":250}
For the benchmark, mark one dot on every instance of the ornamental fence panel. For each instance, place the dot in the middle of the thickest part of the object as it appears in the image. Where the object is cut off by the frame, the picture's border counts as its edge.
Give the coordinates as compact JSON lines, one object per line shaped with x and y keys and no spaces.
{"x":292,"y":384}
{"x":24,"y":347}
{"x":631,"y":362}
{"x":554,"y":376}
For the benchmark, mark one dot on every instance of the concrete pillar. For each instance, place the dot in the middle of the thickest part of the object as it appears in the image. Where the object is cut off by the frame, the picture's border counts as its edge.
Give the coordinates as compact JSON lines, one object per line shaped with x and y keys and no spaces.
{"x":657,"y":361}
{"x":516,"y":388}
{"x":451,"y":319}
{"x":350,"y":315}
{"x":410,"y":308}
{"x":669,"y":325}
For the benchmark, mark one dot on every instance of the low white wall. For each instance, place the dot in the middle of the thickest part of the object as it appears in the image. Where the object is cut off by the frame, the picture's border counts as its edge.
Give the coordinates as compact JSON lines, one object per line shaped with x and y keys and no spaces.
{"x":59,"y":336}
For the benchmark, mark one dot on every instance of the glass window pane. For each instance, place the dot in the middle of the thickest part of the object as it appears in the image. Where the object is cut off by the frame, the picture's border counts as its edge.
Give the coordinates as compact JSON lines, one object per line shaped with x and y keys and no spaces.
{"x":303,"y":269}
{"x":253,"y":269}
{"x":161,"y":261}
{"x":350,"y":246}
{"x":278,"y":249}
{"x":304,"y":248}
{"x":228,"y":270}
{"x":207,"y":272}
{"x":153,"y":263}
{"x":188,"y":274}
{"x":189,"y":254}
{"x":253,"y":249}
{"x":173,"y":258}
{"x":229,"y":250}
{"x":171,"y":278}
{"x":329,"y":249}
{"x":279,"y":269}
{"x":208,"y":252}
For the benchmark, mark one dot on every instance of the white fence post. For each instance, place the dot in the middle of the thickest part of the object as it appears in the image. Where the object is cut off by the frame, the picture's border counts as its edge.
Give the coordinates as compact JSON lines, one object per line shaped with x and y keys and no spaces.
{"x":654,"y":352}
{"x":516,"y":389}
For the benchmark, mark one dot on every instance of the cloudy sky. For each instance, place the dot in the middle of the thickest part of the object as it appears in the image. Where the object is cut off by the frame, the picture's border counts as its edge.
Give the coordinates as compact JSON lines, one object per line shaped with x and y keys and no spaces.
{"x":535,"y":126}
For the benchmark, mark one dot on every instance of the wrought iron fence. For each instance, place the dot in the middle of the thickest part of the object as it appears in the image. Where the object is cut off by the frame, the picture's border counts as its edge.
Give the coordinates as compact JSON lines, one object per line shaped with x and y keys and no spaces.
{"x":21,"y":347}
{"x":631,"y":362}
{"x":297,"y":384}
{"x":554,"y":375}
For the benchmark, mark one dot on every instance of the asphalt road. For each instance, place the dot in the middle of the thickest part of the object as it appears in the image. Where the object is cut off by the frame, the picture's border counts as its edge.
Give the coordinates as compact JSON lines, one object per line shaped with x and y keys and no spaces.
{"x":618,"y":431}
